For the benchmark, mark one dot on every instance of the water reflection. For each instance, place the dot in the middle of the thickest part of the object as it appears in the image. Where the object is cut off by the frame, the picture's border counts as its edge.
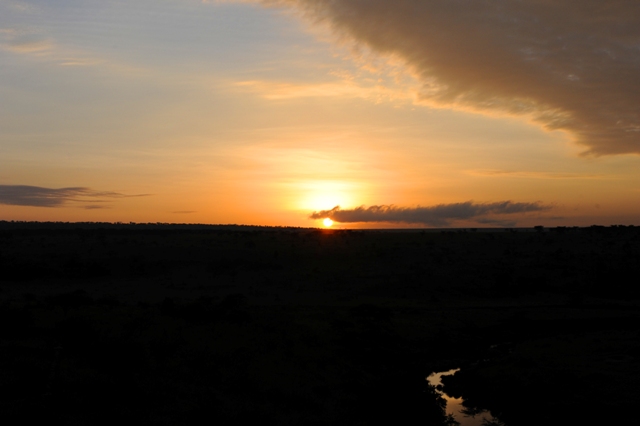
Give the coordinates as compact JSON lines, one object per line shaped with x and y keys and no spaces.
{"x":463,"y":415}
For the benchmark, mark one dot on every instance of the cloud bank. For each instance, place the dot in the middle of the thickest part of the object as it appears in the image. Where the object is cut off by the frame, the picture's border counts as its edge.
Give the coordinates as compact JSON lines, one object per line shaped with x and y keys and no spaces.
{"x":438,"y":215}
{"x":566,"y":64}
{"x":35,"y":196}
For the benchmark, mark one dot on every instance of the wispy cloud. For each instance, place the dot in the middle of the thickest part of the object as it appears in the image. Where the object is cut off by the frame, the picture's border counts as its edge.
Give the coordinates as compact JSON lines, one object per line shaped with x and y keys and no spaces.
{"x":565,"y":65}
{"x":37,"y":44}
{"x":21,"y":6}
{"x":29,"y":45}
{"x":35,"y":196}
{"x":438,"y":215}
{"x":533,"y":175}
{"x":343,"y":88}
{"x":25,"y":41}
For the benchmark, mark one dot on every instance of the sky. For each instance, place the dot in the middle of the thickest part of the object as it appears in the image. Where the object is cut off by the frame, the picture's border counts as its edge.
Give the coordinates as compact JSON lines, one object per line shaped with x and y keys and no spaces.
{"x":374,"y":113}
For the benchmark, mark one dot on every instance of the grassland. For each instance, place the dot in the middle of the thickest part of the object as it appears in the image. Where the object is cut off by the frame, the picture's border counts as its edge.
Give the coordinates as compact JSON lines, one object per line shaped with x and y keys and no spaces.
{"x":163,"y":324}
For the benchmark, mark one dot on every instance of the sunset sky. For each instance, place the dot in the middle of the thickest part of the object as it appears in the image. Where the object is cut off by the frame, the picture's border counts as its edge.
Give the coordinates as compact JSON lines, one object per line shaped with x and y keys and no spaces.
{"x":404,"y":113}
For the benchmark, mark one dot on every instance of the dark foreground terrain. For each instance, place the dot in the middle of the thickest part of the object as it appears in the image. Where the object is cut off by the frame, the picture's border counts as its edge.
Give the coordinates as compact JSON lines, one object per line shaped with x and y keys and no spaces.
{"x":183,"y":325}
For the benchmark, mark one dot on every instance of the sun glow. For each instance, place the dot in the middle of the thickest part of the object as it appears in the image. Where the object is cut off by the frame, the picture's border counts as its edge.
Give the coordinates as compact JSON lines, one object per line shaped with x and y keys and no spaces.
{"x":327,"y":222}
{"x":325,"y":195}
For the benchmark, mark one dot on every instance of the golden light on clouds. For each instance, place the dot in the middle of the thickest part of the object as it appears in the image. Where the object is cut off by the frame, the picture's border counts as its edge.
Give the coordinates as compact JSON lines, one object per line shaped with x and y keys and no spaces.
{"x":375,"y":91}
{"x":577,"y":74}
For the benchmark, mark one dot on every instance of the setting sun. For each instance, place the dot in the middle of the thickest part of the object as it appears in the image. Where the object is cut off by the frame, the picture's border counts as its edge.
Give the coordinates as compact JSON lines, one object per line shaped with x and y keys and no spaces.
{"x":327,"y":222}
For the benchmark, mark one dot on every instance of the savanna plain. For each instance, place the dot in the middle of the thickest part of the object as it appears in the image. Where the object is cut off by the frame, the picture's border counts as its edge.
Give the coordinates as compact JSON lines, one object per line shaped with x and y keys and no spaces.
{"x":185,"y":324}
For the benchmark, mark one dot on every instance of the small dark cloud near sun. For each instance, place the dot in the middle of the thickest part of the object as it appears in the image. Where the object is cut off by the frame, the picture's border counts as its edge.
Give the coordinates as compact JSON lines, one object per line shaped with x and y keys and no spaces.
{"x":438,"y":215}
{"x":36,"y":196}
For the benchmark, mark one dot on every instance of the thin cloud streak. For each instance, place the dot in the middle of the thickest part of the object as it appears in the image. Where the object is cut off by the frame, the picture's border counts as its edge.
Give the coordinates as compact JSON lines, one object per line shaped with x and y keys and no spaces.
{"x":344,"y":89}
{"x":35,"y":196}
{"x":534,"y":175}
{"x":438,"y":215}
{"x":39,"y":45}
{"x":566,"y":65}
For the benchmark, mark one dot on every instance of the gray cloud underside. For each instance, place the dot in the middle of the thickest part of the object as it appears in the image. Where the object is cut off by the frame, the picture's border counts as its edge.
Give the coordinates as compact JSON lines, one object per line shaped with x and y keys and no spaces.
{"x":35,"y":196}
{"x":438,"y":215}
{"x":567,"y":64}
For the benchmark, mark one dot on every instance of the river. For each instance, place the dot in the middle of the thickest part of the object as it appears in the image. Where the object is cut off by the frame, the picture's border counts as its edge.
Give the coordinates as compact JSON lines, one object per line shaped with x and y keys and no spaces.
{"x":456,"y":409}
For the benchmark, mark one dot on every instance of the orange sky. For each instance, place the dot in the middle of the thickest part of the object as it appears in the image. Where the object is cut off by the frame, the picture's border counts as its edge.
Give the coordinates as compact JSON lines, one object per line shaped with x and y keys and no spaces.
{"x":444,"y":113}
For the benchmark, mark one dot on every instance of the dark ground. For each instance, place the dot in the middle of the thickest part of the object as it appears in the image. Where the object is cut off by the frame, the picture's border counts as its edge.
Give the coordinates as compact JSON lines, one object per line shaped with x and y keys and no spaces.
{"x":185,"y":325}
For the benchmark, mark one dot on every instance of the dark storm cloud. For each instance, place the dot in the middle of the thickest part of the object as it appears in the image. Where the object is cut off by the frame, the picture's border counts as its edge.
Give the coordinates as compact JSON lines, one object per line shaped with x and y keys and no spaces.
{"x":438,"y":215}
{"x":566,"y":64}
{"x":35,"y":196}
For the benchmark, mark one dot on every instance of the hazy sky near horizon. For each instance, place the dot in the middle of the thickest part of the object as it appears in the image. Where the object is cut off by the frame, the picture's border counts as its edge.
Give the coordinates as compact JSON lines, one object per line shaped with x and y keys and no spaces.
{"x":404,"y":113}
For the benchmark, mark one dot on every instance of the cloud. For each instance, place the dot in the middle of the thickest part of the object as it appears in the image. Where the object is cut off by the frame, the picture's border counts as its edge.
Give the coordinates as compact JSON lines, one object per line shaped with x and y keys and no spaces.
{"x":21,"y":6}
{"x":37,"y":44}
{"x":343,"y":88}
{"x":35,"y":196}
{"x":534,"y":175}
{"x":438,"y":215}
{"x":24,"y":41}
{"x":29,"y":46}
{"x":564,"y":64}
